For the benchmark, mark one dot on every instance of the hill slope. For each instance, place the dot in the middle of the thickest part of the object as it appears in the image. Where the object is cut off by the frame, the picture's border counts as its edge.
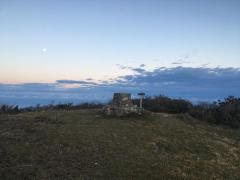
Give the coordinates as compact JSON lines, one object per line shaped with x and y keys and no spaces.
{"x":83,"y":144}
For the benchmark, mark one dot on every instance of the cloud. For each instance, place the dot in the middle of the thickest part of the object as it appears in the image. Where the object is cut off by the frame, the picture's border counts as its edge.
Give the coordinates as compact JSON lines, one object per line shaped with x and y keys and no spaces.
{"x":196,"y":84}
{"x":180,"y":62}
{"x":75,"y":82}
{"x":139,"y":69}
{"x":122,"y":66}
{"x":201,"y":83}
{"x":192,"y":83}
{"x":183,"y":60}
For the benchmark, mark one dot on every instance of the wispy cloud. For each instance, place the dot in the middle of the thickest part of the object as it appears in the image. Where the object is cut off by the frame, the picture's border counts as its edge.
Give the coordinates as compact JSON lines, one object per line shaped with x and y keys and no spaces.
{"x":76,"y":82}
{"x":182,"y":61}
{"x":139,"y":69}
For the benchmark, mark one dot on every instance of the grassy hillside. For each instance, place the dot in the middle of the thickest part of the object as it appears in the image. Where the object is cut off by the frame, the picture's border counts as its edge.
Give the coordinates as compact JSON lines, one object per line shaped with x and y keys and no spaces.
{"x":85,"y":145}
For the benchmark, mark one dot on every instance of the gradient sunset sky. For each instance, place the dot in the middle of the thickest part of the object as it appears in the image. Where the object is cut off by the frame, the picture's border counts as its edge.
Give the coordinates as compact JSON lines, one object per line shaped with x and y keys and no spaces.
{"x":47,"y":40}
{"x":85,"y":50}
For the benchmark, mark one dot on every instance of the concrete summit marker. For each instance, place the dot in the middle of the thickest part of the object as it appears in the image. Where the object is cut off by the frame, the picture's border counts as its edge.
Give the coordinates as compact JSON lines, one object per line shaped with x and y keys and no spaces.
{"x":122,"y":105}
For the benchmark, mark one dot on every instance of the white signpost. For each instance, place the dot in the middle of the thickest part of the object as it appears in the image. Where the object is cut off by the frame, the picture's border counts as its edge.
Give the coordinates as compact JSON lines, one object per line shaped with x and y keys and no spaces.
{"x":141,"y":98}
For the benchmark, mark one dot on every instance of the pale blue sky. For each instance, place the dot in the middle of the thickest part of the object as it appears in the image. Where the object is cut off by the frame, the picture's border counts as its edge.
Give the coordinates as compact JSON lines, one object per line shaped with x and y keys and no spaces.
{"x":47,"y":40}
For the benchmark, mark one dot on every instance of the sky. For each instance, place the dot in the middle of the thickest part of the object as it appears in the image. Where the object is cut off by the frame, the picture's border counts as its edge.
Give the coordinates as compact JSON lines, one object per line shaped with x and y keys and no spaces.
{"x":60,"y":49}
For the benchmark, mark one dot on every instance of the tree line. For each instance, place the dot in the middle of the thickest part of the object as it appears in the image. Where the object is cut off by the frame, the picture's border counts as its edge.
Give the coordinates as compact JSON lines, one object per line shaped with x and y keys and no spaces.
{"x":225,"y":112}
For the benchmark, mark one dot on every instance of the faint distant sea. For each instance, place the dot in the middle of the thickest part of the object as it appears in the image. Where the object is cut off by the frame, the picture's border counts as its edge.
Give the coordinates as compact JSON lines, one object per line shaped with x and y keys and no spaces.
{"x":25,"y":99}
{"x":28,"y":98}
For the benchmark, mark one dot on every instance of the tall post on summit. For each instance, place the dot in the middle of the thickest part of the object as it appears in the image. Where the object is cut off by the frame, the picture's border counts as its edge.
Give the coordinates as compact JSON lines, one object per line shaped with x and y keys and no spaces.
{"x":141,"y":98}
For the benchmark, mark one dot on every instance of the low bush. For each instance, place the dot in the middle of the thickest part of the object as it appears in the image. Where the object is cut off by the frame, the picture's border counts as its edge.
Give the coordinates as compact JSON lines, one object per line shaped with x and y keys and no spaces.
{"x":225,"y":112}
{"x":165,"y":104}
{"x":9,"y":109}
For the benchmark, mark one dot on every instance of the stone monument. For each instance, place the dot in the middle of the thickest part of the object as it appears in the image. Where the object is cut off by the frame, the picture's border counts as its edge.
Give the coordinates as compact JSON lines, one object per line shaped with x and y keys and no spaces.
{"x":121,"y":105}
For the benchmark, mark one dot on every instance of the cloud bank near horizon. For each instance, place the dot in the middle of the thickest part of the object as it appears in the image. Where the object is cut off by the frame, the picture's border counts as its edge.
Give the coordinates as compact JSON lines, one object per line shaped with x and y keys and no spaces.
{"x":195,"y":84}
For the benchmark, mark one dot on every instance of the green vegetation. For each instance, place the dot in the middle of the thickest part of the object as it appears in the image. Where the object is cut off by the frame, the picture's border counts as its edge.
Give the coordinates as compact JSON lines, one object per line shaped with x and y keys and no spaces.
{"x":83,"y":144}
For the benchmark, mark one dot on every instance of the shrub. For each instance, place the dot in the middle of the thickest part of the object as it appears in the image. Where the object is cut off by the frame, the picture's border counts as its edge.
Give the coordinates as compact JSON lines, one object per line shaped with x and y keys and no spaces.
{"x":225,"y":112}
{"x":9,"y":109}
{"x":165,"y":104}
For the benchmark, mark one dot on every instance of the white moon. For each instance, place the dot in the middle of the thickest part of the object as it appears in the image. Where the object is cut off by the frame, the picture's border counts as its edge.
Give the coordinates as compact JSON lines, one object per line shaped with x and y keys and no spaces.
{"x":44,"y":49}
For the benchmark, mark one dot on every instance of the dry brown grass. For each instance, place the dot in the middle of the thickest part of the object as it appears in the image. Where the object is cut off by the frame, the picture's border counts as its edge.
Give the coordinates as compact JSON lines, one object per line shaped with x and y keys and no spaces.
{"x":82,"y":144}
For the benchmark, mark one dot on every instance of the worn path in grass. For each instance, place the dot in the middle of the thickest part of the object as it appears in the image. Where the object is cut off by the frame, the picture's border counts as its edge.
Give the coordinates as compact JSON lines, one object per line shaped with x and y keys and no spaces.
{"x":85,"y":145}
